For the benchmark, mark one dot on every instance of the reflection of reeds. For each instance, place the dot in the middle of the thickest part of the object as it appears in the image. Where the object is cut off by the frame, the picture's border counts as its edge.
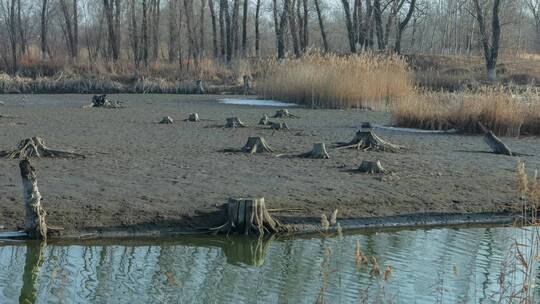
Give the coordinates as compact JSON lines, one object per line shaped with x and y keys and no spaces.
{"x":519,"y":266}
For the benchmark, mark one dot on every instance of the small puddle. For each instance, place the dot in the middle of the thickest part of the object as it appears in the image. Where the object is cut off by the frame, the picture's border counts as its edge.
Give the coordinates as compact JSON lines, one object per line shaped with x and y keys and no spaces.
{"x":256,"y":102}
{"x":426,"y":266}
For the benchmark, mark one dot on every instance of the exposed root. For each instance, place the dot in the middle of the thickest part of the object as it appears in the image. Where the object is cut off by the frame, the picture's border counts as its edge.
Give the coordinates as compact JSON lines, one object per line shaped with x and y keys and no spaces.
{"x":234,"y":122}
{"x":35,"y":147}
{"x":257,"y":145}
{"x":166,"y":120}
{"x":284,"y":113}
{"x":319,"y":151}
{"x":368,"y":140}
{"x":278,"y":126}
{"x":371,"y":167}
{"x":248,"y":216}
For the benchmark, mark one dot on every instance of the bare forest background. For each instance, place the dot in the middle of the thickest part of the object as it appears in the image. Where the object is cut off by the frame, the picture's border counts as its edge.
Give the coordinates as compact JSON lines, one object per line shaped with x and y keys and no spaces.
{"x":145,"y":32}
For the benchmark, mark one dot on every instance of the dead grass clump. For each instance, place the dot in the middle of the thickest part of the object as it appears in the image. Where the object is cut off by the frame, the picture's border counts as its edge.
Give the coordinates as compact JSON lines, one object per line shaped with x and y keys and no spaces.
{"x":329,"y":81}
{"x":504,"y":112}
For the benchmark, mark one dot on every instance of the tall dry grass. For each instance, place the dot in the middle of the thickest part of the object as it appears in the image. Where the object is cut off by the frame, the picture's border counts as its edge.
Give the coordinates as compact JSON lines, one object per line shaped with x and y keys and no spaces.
{"x":328,"y":81}
{"x":506,"y":112}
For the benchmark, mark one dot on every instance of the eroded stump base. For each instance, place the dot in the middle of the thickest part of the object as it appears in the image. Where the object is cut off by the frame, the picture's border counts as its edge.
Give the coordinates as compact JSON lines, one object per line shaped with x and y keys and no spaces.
{"x":319,"y":151}
{"x":371,"y":167}
{"x":284,"y":113}
{"x":234,"y":122}
{"x":257,"y":144}
{"x":366,"y":139}
{"x":248,"y":216}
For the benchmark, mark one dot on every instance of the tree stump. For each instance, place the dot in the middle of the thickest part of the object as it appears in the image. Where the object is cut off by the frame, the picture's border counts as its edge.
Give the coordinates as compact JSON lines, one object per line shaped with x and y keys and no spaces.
{"x":319,"y":151}
{"x":234,"y":122}
{"x":264,"y":120}
{"x":166,"y":120}
{"x":101,"y":101}
{"x":35,"y":147}
{"x":284,"y":113}
{"x":496,"y":145}
{"x":371,"y":167}
{"x":34,"y":223}
{"x":193,"y":117}
{"x":199,"y":89}
{"x":257,"y":145}
{"x":247,"y":84}
{"x":248,"y":216}
{"x":366,"y":139}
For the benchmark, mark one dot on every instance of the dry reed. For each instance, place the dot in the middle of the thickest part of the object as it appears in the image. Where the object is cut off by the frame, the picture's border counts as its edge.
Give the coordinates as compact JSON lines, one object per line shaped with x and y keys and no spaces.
{"x":366,"y":81}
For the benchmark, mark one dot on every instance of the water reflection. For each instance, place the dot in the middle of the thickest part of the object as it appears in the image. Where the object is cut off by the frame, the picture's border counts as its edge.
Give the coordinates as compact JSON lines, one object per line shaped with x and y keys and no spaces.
{"x":429,"y":266}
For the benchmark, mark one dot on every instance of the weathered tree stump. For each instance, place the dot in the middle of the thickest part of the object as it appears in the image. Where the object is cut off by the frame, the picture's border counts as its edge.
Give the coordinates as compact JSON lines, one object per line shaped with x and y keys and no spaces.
{"x":366,"y":139}
{"x":35,"y":147}
{"x":34,"y":223}
{"x":284,"y":113}
{"x":371,"y":167}
{"x":248,"y":216}
{"x":166,"y":120}
{"x":496,"y":145}
{"x":264,"y":120}
{"x":199,"y":89}
{"x":101,"y":101}
{"x":319,"y":151}
{"x":234,"y":122}
{"x":193,"y":117}
{"x":247,"y":84}
{"x":257,"y":145}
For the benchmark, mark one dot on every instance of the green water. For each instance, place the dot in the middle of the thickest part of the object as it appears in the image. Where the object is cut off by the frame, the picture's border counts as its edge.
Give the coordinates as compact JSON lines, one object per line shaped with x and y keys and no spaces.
{"x":429,"y":266}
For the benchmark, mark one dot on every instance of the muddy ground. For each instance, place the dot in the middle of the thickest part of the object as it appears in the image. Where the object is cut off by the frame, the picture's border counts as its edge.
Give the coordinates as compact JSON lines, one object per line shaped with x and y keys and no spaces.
{"x":140,"y":175}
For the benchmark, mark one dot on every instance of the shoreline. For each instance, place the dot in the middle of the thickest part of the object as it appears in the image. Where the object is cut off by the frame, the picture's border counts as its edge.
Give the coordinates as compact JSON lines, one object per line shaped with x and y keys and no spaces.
{"x":309,"y":227}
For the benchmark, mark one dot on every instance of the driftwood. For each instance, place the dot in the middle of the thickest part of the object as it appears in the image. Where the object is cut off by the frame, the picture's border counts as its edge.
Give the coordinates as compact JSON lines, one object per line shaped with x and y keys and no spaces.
{"x":371,"y":167}
{"x":496,"y":145}
{"x":366,"y":139}
{"x":284,"y":113}
{"x":234,"y":122}
{"x":166,"y":120}
{"x":256,"y":145}
{"x":248,"y":216}
{"x":34,"y":225}
{"x":193,"y":117}
{"x":101,"y":101}
{"x":264,"y":120}
{"x":319,"y":151}
{"x":35,"y":147}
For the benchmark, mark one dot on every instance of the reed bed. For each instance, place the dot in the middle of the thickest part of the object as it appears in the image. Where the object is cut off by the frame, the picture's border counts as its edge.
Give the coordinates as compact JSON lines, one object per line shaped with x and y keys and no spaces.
{"x":366,"y":81}
{"x":506,"y":112}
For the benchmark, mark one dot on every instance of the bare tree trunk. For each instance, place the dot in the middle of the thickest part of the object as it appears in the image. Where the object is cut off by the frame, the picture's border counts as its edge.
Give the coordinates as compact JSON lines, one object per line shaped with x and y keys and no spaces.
{"x":321,"y":26}
{"x":222,"y":30}
{"x":35,"y":224}
{"x":350,"y":28}
{"x":402,"y":25}
{"x":13,"y":39}
{"x":491,"y":50}
{"x":378,"y":24}
{"x":236,"y":26}
{"x":305,"y":30}
{"x":44,"y":27}
{"x":201,"y":29}
{"x":214,"y":28}
{"x":112,"y":13}
{"x":257,"y":31}
{"x":144,"y":32}
{"x":282,"y":29}
{"x":156,"y":12}
{"x":20,"y":25}
{"x":173,"y":34}
{"x":244,"y":28}
{"x":133,"y":32}
{"x":294,"y":33}
{"x":228,"y":30}
{"x":72,"y":28}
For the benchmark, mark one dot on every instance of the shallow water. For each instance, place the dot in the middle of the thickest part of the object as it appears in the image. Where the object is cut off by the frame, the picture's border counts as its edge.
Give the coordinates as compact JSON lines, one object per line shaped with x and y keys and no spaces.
{"x":256,"y":102}
{"x":429,"y":266}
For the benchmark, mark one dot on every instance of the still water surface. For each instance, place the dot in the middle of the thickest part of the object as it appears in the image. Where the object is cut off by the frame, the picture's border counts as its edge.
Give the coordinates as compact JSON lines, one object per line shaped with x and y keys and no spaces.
{"x":428,"y":266}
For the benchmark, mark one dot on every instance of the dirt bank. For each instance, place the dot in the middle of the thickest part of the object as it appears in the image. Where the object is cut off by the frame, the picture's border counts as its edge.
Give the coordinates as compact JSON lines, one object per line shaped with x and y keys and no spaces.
{"x":140,"y":175}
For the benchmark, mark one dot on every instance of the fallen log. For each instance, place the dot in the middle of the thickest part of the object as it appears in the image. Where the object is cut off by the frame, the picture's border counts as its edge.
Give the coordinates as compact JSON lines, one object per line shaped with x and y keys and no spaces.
{"x":248,"y":216}
{"x":34,"y":225}
{"x":35,"y":147}
{"x":496,"y":145}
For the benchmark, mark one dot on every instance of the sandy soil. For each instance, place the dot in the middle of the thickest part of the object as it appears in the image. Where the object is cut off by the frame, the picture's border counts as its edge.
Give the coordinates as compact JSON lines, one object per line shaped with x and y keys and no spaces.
{"x":142,"y":175}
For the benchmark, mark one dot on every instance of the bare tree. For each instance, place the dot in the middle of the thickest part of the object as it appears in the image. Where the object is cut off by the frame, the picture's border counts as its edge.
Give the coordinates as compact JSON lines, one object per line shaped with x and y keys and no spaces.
{"x":244,"y":28}
{"x":44,"y":25}
{"x":281,"y":28}
{"x":403,"y":24}
{"x":321,"y":26}
{"x":257,"y":31}
{"x":534,"y":8}
{"x":490,"y":45}
{"x":214,"y":28}
{"x":112,"y":12}
{"x":71,"y":30}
